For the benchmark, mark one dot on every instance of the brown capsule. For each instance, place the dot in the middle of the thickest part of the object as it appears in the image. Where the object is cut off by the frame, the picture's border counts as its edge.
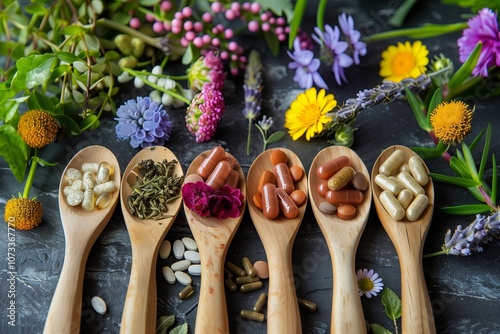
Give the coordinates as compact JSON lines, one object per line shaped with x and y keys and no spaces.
{"x":231,"y":285}
{"x":278,"y":156}
{"x":344,"y":196}
{"x":186,"y":292}
{"x":323,"y":188}
{"x":219,"y":175}
{"x":235,"y":269}
{"x":306,"y":304}
{"x":248,"y":287}
{"x":297,"y":173}
{"x":341,"y":178}
{"x":326,"y":170}
{"x":298,"y":196}
{"x":252,"y":315}
{"x":270,"y":205}
{"x":213,"y":158}
{"x":246,"y":279}
{"x":283,"y":177}
{"x":248,"y":266}
{"x":232,"y":179}
{"x":259,"y":304}
{"x":266,"y":177}
{"x":228,"y":274}
{"x":287,"y":205}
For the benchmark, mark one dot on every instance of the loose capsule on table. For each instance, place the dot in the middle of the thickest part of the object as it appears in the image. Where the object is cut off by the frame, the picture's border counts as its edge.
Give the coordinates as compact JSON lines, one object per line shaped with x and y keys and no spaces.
{"x":308,"y":305}
{"x":259,"y":304}
{"x":186,"y":292}
{"x":252,"y":315}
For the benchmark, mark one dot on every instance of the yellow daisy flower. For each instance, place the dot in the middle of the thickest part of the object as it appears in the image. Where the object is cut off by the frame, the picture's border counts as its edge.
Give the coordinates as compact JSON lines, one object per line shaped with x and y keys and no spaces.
{"x":404,"y":61}
{"x":37,"y":128}
{"x":307,"y":114}
{"x":451,"y":121}
{"x":23,"y":213}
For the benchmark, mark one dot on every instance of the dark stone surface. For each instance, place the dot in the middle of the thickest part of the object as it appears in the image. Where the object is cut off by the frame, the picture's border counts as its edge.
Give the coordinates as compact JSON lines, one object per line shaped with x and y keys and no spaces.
{"x":463,"y":290}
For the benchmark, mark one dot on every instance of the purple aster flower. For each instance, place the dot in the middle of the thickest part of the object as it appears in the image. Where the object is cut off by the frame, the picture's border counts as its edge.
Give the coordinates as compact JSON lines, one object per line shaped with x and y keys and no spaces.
{"x":353,"y":36}
{"x":482,"y":28}
{"x":369,"y":284}
{"x":332,"y":51}
{"x":306,"y":67}
{"x":207,"y":68}
{"x":205,"y":113}
{"x":144,"y":122}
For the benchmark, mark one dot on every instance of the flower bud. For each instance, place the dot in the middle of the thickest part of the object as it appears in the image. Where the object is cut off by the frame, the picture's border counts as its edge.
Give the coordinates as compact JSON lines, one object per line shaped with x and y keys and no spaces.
{"x":138,"y":46}
{"x":127,"y":62}
{"x":124,"y":43}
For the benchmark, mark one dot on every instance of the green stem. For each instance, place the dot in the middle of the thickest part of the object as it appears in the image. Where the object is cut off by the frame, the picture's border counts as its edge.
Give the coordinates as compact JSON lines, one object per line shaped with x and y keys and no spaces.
{"x":264,"y":147}
{"x":132,"y":32}
{"x":320,"y":16}
{"x":426,"y":31}
{"x":248,"y":137}
{"x":400,"y":15}
{"x":456,"y":91}
{"x":31,"y":174}
{"x":442,"y":252}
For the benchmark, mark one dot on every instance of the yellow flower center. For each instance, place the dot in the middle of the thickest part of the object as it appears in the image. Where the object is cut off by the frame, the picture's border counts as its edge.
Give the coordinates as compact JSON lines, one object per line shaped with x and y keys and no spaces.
{"x":365,"y":284}
{"x":23,"y":213}
{"x":451,"y":121}
{"x":403,"y":63}
{"x":37,"y":128}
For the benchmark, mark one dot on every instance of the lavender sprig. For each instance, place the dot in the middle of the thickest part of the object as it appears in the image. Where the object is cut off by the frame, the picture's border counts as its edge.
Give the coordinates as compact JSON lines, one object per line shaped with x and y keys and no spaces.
{"x":253,"y":91}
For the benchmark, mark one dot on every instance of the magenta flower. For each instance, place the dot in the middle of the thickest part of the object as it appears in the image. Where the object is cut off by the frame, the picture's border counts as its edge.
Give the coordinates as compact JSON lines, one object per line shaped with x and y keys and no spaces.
{"x":306,"y":67}
{"x":208,"y":68}
{"x":229,"y":202}
{"x":195,"y":192}
{"x":205,"y":113}
{"x":203,"y":200}
{"x":482,"y":28}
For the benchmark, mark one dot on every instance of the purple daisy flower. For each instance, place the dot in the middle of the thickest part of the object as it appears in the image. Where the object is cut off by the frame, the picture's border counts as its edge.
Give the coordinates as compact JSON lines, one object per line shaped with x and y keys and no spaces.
{"x":482,"y":28}
{"x":353,"y":36}
{"x":144,"y":122}
{"x":332,"y":51}
{"x":205,"y":113}
{"x":306,"y":67}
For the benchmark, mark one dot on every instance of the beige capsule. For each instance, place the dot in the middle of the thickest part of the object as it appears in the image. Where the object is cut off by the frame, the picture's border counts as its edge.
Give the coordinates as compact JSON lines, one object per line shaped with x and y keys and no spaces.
{"x":104,"y":172}
{"x":388,"y":184}
{"x":392,"y":163}
{"x":109,"y":187}
{"x":88,"y":202}
{"x":391,"y":205}
{"x":418,"y":171}
{"x":417,"y":207}
{"x":405,"y":197}
{"x":410,"y":183}
{"x":404,"y":168}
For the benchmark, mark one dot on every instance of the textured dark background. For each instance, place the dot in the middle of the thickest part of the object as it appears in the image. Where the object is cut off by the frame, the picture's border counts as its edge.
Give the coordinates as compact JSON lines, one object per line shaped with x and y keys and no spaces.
{"x":464,"y":291}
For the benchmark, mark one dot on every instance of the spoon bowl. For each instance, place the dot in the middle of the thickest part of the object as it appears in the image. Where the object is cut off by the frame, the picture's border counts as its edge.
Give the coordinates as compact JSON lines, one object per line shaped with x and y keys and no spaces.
{"x":213,"y":237}
{"x":342,"y":237}
{"x":81,"y":229}
{"x":277,"y":236}
{"x":146,"y":235}
{"x":408,"y":239}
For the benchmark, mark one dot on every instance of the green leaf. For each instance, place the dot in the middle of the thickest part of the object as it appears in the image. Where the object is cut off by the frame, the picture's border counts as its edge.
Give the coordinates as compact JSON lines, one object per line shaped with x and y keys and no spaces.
{"x":427,"y":152}
{"x":68,"y":122}
{"x":9,"y":111}
{"x":486,"y":149}
{"x":278,"y":7}
{"x":298,"y":14}
{"x":59,"y":71}
{"x":31,"y":71}
{"x":466,"y":209}
{"x":377,"y":329}
{"x":436,"y":99}
{"x":38,"y":100}
{"x":14,"y":150}
{"x":476,"y":140}
{"x":148,"y":3}
{"x":459,"y":167}
{"x":163,"y":323}
{"x":90,"y":122}
{"x":494,"y":177}
{"x":272,"y":42}
{"x":181,"y":329}
{"x":470,"y":162}
{"x":73,"y":30}
{"x":35,"y":8}
{"x":425,"y":31}
{"x":392,"y":303}
{"x":465,"y":71}
{"x":320,"y":14}
{"x":458,"y":181}
{"x":417,"y":111}
{"x":67,"y":56}
{"x":188,"y":57}
{"x":275,"y":137}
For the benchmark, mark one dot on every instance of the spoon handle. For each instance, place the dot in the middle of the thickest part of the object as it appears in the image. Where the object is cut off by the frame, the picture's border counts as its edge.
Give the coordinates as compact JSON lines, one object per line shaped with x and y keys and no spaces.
{"x":66,"y":306}
{"x":282,"y":307}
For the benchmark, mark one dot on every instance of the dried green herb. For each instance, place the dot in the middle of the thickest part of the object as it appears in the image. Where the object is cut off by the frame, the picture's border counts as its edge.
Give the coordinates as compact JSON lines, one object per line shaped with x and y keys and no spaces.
{"x":155,"y":186}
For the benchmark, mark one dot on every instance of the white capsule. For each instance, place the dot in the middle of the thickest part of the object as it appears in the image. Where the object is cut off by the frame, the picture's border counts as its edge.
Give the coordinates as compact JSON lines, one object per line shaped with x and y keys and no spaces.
{"x":88,"y":180}
{"x":77,"y":185}
{"x":165,"y":249}
{"x":88,"y":201}
{"x":405,"y":197}
{"x":168,"y":274}
{"x":190,"y":244}
{"x":73,"y":174}
{"x":104,"y":172}
{"x":68,"y":190}
{"x":192,"y":256}
{"x":418,"y":170}
{"x":75,"y":198}
{"x":386,"y":183}
{"x":109,"y":187}
{"x":195,"y":269}
{"x":410,"y":183}
{"x":180,"y":265}
{"x":183,"y":278}
{"x":417,"y":207}
{"x":99,"y":305}
{"x":178,"y":249}
{"x":90,"y":167}
{"x":392,"y":163}
{"x":391,"y":205}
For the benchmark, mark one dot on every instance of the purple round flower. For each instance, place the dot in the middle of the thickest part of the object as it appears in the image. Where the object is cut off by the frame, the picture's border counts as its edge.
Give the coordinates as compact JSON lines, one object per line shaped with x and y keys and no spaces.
{"x":353,"y":36}
{"x":205,"y":113}
{"x":482,"y":28}
{"x":144,"y":122}
{"x":208,"y":68}
{"x":306,"y":67}
{"x":332,"y":50}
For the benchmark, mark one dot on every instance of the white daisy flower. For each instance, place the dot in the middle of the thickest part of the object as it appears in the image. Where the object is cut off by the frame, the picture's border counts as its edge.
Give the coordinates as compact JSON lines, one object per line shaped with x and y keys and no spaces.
{"x":369,"y":284}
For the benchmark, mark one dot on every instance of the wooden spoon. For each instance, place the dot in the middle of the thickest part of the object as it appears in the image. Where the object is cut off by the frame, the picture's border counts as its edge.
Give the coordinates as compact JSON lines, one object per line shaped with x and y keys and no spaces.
{"x":81,"y":229}
{"x":146,"y":235}
{"x":213,"y":237}
{"x":277,"y":236}
{"x":408,"y":239}
{"x":342,"y":237}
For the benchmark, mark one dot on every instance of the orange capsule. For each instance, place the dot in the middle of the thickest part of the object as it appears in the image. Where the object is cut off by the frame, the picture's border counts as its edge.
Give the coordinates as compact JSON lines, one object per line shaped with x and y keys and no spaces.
{"x":208,"y":165}
{"x":322,"y":188}
{"x":218,"y":176}
{"x":283,"y":177}
{"x":266,"y":177}
{"x":270,"y":205}
{"x":257,"y":200}
{"x":326,"y":170}
{"x":278,"y":156}
{"x":286,"y":203}
{"x":232,"y":179}
{"x":344,"y":196}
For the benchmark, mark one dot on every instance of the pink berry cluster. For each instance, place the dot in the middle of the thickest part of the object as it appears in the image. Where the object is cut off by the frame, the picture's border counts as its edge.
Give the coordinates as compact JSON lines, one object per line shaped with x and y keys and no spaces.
{"x":210,"y":30}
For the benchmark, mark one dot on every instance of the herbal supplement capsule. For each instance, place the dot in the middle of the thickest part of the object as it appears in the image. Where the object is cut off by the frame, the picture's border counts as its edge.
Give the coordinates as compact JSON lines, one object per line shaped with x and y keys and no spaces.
{"x":270,"y":204}
{"x":212,"y":159}
{"x":322,"y":188}
{"x":104,"y":172}
{"x":248,"y":287}
{"x":88,"y":202}
{"x":186,"y":292}
{"x":260,"y":302}
{"x":252,"y":315}
{"x":308,"y":305}
{"x":88,"y":180}
{"x":391,"y":205}
{"x":103,"y":200}
{"x":286,"y":203}
{"x":405,"y":197}
{"x":417,"y":207}
{"x":92,"y":167}
{"x":341,"y":178}
{"x":231,"y":285}
{"x":77,"y":185}
{"x":73,"y":174}
{"x":283,"y":177}
{"x":75,"y":198}
{"x":418,"y":170}
{"x":228,"y":274}
{"x":266,"y":177}
{"x":246,"y":279}
{"x":248,"y":266}
{"x":392,"y":163}
{"x":67,"y":190}
{"x":410,"y":183}
{"x":386,"y":183}
{"x":235,"y":269}
{"x":326,"y":170}
{"x":219,"y":175}
{"x":349,"y":196}
{"x":109,"y":187}
{"x":404,"y":168}
{"x":257,"y":200}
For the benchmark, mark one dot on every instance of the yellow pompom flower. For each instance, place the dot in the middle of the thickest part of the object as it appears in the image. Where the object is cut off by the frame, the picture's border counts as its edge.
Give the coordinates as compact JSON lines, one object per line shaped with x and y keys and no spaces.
{"x":23,"y":213}
{"x":308,"y":113}
{"x":37,"y":128}
{"x":404,"y":61}
{"x":451,"y":121}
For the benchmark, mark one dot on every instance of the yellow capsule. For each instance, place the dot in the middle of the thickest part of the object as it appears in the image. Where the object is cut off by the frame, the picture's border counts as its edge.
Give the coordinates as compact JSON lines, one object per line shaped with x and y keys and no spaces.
{"x":341,"y":178}
{"x":417,"y":207}
{"x":405,"y":197}
{"x":103,"y":200}
{"x":231,"y":285}
{"x":251,"y":286}
{"x":186,"y":292}
{"x":392,"y":163}
{"x":308,"y":305}
{"x":248,"y":266}
{"x":252,"y":315}
{"x":235,"y":269}
{"x":418,"y":171}
{"x":246,"y":279}
{"x":386,"y":183}
{"x":391,"y":205}
{"x":260,"y":302}
{"x":410,"y":183}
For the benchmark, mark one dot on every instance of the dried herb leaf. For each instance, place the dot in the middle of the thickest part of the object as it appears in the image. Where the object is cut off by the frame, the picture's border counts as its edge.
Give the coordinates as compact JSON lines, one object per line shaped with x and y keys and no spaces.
{"x":164,"y":323}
